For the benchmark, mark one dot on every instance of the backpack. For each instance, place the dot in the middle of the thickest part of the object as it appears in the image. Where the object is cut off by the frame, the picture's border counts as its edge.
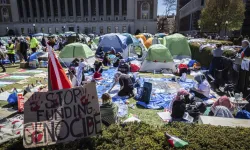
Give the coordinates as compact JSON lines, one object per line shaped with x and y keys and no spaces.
{"x":146,"y":93}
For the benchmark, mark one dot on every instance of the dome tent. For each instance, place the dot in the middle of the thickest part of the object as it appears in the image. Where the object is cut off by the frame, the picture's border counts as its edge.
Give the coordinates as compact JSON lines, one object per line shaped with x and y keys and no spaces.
{"x":178,"y":46}
{"x":158,"y":58}
{"x":131,"y":39}
{"x":76,"y":50}
{"x":117,"y":41}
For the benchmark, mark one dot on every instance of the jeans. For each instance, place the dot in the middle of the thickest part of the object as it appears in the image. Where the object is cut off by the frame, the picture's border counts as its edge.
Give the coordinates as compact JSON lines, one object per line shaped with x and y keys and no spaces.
{"x":12,"y":58}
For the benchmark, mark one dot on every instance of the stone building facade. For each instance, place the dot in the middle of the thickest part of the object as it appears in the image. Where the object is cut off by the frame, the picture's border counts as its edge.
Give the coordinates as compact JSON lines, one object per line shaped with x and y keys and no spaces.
{"x":85,"y":16}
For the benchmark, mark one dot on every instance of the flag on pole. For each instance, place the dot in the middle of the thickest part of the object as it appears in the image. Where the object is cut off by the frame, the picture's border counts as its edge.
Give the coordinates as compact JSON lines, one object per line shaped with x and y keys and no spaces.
{"x":57,"y":78}
{"x":175,"y":142}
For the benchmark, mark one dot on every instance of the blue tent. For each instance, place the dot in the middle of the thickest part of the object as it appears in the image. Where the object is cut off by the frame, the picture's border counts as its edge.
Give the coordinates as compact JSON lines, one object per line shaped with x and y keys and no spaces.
{"x":36,"y":55}
{"x":40,"y":34}
{"x":131,"y":39}
{"x":117,"y":41}
{"x":160,"y":35}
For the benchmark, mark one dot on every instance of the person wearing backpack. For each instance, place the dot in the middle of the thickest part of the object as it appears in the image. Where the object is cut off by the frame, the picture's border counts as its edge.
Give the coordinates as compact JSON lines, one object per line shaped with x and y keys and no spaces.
{"x":123,"y":67}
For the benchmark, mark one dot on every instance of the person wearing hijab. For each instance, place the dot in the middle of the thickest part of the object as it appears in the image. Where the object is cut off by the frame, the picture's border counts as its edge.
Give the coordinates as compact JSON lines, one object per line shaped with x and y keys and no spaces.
{"x":222,"y":111}
{"x":223,"y":101}
{"x":245,"y":51}
{"x":80,"y":72}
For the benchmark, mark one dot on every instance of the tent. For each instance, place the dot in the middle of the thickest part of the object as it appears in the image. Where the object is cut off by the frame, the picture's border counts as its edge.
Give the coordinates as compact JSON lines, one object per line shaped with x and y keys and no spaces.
{"x":158,"y":57}
{"x":151,"y":41}
{"x":147,"y":35}
{"x":96,"y":40}
{"x":160,"y":35}
{"x":41,"y":55}
{"x":141,"y":36}
{"x":178,"y":46}
{"x":76,"y":50}
{"x":161,"y":40}
{"x":40,"y":34}
{"x":131,"y":39}
{"x":117,"y":41}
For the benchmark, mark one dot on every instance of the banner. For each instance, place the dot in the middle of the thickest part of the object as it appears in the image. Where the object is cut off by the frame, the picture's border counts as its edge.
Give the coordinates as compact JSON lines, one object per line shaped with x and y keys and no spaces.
{"x":61,"y":116}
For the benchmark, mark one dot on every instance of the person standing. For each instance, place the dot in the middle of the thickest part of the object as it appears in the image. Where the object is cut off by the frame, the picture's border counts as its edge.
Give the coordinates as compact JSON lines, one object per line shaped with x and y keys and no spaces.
{"x":11,"y":52}
{"x":24,"y":48}
{"x":17,"y":47}
{"x":33,"y":44}
{"x":2,"y":57}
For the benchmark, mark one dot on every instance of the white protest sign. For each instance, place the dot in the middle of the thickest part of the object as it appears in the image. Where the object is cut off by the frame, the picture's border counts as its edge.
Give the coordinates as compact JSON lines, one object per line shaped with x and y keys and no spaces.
{"x":61,"y":116}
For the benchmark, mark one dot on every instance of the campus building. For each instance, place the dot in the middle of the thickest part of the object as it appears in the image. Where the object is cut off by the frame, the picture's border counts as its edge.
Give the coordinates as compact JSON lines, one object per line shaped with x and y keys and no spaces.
{"x":189,"y":11}
{"x":85,"y":16}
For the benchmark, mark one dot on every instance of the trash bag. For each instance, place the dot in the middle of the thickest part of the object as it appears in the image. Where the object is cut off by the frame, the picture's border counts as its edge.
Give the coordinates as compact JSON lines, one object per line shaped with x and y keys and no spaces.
{"x":12,"y":99}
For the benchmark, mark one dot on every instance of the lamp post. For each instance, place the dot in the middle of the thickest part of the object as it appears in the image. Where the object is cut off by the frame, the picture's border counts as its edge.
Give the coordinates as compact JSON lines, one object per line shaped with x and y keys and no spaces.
{"x":226,"y":23}
{"x":215,"y":27}
{"x":34,"y":26}
{"x":7,"y":30}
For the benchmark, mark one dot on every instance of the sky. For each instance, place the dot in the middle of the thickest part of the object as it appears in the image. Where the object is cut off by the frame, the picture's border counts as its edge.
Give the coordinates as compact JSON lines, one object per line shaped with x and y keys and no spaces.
{"x":161,"y":9}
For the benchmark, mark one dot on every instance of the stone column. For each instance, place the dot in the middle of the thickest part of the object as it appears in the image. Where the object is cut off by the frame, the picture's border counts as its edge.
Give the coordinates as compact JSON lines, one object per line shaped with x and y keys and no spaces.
{"x":59,"y":9}
{"x":120,"y":9}
{"x":104,"y":9}
{"x":38,"y":10}
{"x":82,"y":9}
{"x":155,"y":10}
{"x":97,"y":9}
{"x":52,"y":10}
{"x":24,"y":11}
{"x":74,"y":9}
{"x":31,"y":11}
{"x":45,"y":10}
{"x":89,"y":9}
{"x":112,"y":9}
{"x":66,"y":9}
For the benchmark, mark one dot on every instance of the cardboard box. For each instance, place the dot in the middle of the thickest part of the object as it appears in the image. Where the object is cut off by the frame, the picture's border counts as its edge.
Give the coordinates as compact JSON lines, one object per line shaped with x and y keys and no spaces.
{"x":24,"y":65}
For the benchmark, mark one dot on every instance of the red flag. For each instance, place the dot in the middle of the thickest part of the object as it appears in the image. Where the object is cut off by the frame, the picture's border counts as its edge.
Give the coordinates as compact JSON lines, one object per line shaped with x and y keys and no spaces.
{"x":57,"y":77}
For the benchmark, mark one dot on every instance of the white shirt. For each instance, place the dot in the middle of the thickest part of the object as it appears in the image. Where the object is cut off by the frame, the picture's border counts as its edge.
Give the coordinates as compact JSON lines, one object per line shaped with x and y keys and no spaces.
{"x":205,"y":88}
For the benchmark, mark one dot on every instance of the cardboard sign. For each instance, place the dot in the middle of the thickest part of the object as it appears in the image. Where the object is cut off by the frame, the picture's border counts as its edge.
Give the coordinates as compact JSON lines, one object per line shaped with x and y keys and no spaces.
{"x":20,"y":102}
{"x":61,"y":116}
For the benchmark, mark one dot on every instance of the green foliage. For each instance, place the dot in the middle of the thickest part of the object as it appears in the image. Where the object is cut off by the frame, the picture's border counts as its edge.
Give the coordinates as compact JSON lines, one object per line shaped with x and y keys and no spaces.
{"x":205,"y":56}
{"x":143,"y":136}
{"x":220,"y":12}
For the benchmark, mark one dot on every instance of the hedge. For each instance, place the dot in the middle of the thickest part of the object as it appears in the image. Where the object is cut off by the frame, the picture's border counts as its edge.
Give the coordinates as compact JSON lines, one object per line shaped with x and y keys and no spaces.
{"x":142,"y":136}
{"x":205,"y":56}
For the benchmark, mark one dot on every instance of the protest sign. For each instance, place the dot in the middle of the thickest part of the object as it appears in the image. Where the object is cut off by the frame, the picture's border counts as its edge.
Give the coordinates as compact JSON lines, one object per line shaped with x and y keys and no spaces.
{"x":20,"y":101}
{"x":61,"y":116}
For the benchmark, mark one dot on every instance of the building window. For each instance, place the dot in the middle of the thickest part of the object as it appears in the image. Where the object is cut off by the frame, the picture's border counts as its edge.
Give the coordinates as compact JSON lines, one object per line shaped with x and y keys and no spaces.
{"x":116,"y":18}
{"x":100,"y":7}
{"x":86,"y":30}
{"x":78,"y":7}
{"x":29,"y":31}
{"x":5,"y":14}
{"x":124,"y":29}
{"x":27,"y":7}
{"x":86,"y":19}
{"x":55,"y":7}
{"x":33,"y":4}
{"x":101,"y":19}
{"x":22,"y":30}
{"x":85,"y":7}
{"x":124,"y":7}
{"x":40,"y":3}
{"x":108,"y":7}
{"x":70,"y":7}
{"x":116,"y":29}
{"x":93,"y":8}
{"x":116,"y":7}
{"x":144,"y":29}
{"x":62,"y":3}
{"x":49,"y":30}
{"x":145,"y":9}
{"x":93,"y":29}
{"x":202,"y":2}
{"x":56,"y":30}
{"x":124,"y":18}
{"x":101,"y":30}
{"x":109,"y":29}
{"x":93,"y":19}
{"x":48,"y":7}
{"x":20,"y":8}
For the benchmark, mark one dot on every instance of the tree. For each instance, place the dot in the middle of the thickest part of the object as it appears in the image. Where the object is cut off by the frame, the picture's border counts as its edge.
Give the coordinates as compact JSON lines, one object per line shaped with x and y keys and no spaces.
{"x":170,"y":6}
{"x":222,"y":14}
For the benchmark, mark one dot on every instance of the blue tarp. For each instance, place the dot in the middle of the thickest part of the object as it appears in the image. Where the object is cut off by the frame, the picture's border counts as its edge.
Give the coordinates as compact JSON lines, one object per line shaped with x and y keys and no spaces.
{"x":35,"y":55}
{"x":117,"y":41}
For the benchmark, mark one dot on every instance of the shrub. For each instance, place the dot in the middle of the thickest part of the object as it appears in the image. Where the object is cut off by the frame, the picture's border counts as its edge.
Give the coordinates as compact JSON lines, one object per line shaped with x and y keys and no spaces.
{"x":205,"y":56}
{"x":143,"y":136}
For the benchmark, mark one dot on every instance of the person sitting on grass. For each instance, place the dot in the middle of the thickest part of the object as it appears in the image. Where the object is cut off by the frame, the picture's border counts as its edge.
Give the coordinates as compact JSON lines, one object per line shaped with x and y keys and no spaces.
{"x":222,"y":101}
{"x":108,"y":110}
{"x":203,"y":90}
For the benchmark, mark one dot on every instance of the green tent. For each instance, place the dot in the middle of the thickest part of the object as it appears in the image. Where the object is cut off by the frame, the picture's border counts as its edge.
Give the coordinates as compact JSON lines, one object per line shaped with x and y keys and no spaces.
{"x":76,"y":50}
{"x":177,"y":44}
{"x":96,"y":40}
{"x":159,"y":53}
{"x":161,"y":40}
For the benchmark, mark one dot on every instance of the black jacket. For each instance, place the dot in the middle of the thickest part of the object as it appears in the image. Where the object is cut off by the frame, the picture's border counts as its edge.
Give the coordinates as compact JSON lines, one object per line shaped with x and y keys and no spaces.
{"x":247,"y":52}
